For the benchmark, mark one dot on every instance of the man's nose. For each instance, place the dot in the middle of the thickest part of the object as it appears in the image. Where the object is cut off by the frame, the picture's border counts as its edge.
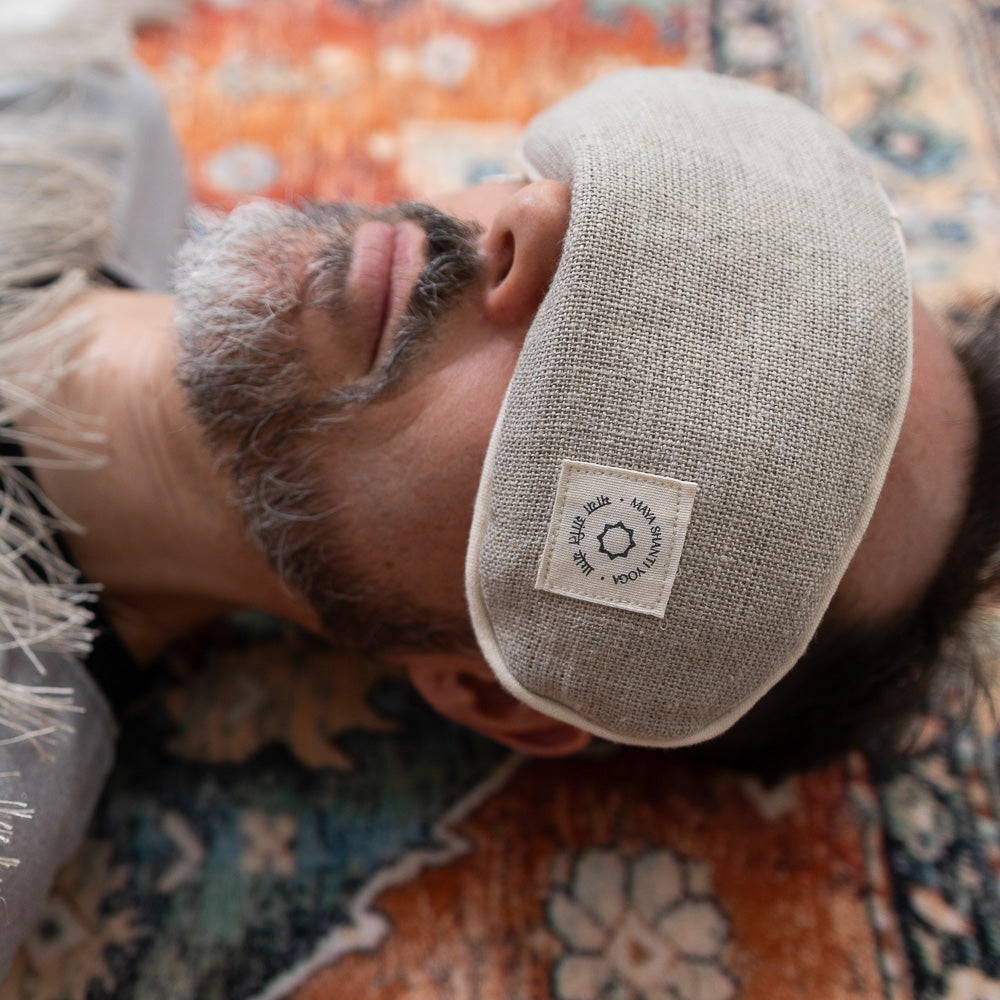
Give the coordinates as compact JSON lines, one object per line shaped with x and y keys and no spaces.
{"x":522,"y":249}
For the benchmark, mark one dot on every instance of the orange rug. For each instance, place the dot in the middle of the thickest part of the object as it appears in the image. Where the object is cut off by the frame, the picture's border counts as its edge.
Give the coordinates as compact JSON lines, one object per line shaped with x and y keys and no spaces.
{"x":287,"y":821}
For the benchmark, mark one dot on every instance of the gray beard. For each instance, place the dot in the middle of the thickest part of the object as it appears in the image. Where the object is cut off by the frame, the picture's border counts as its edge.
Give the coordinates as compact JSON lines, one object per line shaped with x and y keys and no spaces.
{"x":240,"y":282}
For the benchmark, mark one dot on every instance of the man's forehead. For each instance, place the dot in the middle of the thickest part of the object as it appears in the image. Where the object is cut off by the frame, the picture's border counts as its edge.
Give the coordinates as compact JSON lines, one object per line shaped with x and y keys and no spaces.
{"x":926,"y":489}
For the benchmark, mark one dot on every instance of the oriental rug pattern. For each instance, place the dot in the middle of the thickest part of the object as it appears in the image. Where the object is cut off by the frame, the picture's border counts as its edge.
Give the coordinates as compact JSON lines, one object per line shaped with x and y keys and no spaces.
{"x":287,"y":820}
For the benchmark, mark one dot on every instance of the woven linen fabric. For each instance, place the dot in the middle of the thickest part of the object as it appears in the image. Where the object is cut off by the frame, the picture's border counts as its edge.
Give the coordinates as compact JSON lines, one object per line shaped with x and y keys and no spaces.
{"x":731,"y":309}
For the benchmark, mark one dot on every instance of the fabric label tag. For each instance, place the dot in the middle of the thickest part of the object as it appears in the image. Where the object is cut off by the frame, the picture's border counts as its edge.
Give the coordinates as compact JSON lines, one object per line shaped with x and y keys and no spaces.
{"x":616,"y":536}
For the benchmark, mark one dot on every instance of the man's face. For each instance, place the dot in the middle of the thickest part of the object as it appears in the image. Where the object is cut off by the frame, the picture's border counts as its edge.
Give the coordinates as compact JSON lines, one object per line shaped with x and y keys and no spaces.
{"x":356,"y":362}
{"x":356,"y":427}
{"x":363,"y":431}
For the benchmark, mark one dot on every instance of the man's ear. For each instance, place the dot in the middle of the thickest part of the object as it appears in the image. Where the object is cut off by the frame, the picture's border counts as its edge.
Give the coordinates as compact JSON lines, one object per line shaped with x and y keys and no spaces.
{"x":462,"y":688}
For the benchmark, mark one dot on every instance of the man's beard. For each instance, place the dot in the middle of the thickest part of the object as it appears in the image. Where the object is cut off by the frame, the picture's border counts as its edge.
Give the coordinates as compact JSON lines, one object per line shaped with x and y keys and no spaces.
{"x":240,"y":282}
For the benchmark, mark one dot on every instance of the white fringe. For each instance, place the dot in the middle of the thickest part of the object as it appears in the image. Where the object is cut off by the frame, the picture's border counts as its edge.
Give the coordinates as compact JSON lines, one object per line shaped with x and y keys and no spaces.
{"x":55,"y":235}
{"x":11,"y":810}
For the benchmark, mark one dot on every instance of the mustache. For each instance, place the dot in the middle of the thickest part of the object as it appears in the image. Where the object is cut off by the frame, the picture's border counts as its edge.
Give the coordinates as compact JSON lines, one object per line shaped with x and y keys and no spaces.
{"x":454,"y":265}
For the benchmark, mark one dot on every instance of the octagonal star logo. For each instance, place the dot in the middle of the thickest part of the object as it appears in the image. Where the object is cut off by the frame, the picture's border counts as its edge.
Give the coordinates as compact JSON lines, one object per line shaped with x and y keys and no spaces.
{"x":616,"y":541}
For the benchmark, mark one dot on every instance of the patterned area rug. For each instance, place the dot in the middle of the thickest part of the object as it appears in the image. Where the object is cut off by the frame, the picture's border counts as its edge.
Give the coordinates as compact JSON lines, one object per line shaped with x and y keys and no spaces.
{"x":287,"y":820}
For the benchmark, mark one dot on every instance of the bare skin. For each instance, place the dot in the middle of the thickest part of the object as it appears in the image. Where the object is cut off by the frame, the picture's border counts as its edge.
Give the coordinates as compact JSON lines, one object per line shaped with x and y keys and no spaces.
{"x":160,"y":535}
{"x":171,"y":552}
{"x":926,"y":489}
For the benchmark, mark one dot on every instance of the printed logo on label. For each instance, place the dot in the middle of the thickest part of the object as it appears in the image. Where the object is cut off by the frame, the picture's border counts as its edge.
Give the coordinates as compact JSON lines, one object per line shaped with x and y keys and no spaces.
{"x":616,"y":536}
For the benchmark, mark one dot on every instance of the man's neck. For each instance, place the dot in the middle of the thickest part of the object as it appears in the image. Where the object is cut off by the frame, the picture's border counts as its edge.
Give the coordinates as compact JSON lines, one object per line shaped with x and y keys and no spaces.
{"x":160,"y":535}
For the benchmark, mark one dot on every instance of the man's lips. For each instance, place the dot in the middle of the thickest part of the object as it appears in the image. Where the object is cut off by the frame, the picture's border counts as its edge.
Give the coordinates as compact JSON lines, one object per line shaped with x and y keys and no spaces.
{"x":385,"y":262}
